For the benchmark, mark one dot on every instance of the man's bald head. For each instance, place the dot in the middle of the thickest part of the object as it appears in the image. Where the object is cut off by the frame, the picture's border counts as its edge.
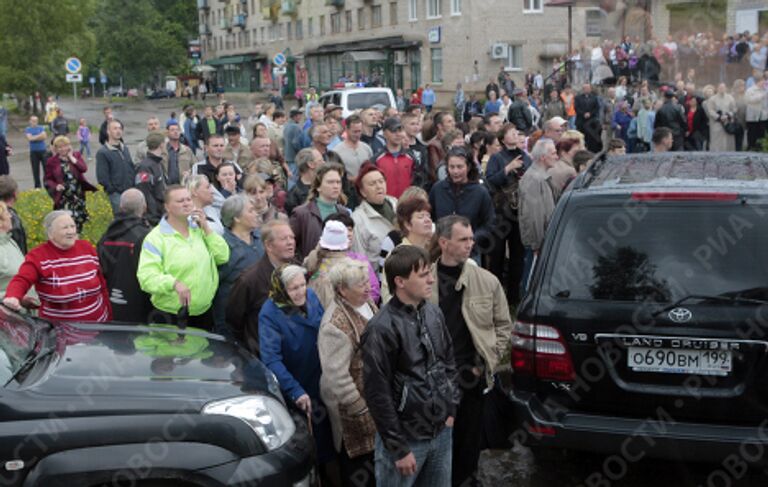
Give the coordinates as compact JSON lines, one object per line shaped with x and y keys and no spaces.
{"x":132,"y":202}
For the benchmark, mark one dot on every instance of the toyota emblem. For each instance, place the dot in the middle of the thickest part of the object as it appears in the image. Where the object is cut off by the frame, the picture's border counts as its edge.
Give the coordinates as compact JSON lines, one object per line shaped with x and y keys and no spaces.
{"x":680,"y":315}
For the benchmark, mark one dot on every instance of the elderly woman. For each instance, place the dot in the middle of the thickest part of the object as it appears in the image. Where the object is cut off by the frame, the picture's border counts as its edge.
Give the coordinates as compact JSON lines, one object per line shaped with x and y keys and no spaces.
{"x":202,"y":193}
{"x":720,"y":109}
{"x":332,"y":249}
{"x":341,"y":383}
{"x":11,"y":256}
{"x":65,"y":180}
{"x":241,"y":232}
{"x":289,"y":323}
{"x":66,"y":274}
{"x":375,"y":217}
{"x":178,"y":265}
{"x":325,"y":198}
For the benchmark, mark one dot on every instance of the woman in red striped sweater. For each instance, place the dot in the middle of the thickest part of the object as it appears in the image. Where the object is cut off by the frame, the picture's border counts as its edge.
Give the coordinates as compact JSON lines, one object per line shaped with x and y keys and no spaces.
{"x":65,"y":272}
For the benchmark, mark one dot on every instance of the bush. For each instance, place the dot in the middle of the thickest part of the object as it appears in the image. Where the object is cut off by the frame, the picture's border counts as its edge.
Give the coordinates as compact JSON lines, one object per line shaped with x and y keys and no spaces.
{"x":762,"y":144}
{"x":34,"y":204}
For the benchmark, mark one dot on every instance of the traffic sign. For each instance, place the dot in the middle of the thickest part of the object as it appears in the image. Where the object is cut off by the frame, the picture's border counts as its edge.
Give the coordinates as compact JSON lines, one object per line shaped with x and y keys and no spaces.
{"x":74,"y":78}
{"x":92,"y":80}
{"x":279,"y":59}
{"x":103,"y":80}
{"x":73,"y":65}
{"x":279,"y":71}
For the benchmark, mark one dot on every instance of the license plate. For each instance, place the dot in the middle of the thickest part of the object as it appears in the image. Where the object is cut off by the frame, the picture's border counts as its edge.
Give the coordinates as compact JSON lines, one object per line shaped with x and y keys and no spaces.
{"x":679,"y":361}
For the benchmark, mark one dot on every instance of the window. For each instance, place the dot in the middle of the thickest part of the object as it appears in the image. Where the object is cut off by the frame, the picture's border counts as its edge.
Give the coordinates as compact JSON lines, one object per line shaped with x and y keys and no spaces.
{"x":437,"y":65}
{"x":455,"y":7}
{"x":434,"y":9}
{"x":299,"y":29}
{"x":310,"y":27}
{"x":263,"y":37}
{"x":289,"y":30}
{"x":393,"y":13}
{"x":336,"y":23}
{"x":413,"y":10}
{"x":361,"y":18}
{"x":594,"y":23}
{"x":533,"y":6}
{"x":348,"y":19}
{"x":255,"y":36}
{"x":322,"y":25}
{"x":515,"y":58}
{"x":376,"y":16}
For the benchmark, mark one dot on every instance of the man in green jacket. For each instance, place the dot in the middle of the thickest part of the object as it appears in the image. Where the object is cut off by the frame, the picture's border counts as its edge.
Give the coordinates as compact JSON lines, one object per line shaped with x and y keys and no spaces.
{"x":178,"y":262}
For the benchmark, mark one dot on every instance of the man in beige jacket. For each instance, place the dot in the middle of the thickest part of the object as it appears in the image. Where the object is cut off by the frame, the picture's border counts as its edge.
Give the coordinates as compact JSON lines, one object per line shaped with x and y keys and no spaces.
{"x":477,"y":316}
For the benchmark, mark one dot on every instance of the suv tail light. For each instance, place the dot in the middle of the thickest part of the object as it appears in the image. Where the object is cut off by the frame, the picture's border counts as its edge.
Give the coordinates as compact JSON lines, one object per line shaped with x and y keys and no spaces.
{"x":541,"y":350}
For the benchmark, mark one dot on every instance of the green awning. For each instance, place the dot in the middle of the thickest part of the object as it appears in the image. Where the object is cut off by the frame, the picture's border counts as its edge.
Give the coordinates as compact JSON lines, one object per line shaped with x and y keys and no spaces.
{"x":229,"y":60}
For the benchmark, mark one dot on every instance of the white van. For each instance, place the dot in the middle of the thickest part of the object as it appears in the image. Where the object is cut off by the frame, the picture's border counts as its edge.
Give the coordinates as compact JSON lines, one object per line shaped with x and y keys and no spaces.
{"x":356,"y":99}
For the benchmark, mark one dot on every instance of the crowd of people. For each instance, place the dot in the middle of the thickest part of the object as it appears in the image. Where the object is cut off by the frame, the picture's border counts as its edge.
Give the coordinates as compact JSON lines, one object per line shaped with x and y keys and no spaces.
{"x":371,"y":261}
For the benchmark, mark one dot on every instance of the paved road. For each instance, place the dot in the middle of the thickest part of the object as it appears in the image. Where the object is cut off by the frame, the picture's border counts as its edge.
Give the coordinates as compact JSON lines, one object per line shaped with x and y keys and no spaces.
{"x":519,"y":468}
{"x":133,"y":114}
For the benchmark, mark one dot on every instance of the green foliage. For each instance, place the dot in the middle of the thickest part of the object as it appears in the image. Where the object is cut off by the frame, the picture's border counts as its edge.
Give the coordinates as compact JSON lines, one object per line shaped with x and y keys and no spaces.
{"x":34,"y":204}
{"x":763,"y":144}
{"x":37,"y":37}
{"x":137,"y":40}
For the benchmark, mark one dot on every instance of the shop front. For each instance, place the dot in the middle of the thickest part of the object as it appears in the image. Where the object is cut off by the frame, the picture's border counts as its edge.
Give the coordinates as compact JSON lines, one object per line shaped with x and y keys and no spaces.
{"x":238,"y":73}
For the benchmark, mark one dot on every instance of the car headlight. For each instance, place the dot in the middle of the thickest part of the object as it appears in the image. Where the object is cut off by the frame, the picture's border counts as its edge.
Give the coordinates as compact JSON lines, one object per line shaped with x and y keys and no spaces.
{"x":266,"y":415}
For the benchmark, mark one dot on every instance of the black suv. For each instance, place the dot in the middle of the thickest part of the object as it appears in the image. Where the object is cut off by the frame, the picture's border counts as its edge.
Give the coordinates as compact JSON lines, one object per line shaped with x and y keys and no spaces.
{"x":88,"y":405}
{"x":644,"y":329}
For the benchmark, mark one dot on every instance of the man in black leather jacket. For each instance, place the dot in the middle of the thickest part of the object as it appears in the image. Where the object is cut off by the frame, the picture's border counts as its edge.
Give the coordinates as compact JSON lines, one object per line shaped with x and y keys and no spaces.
{"x":409,"y":377}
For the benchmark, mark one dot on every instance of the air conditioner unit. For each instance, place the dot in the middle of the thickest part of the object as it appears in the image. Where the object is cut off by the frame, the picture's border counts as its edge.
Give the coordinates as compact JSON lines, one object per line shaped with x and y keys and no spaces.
{"x":400,"y":58}
{"x":500,"y":50}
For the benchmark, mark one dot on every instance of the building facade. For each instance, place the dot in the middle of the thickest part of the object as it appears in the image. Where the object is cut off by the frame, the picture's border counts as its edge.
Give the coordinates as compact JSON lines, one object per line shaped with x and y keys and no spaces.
{"x":409,"y":43}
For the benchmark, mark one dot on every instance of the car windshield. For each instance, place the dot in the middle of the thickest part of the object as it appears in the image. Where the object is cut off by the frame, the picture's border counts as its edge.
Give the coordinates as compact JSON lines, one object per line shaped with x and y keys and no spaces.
{"x":359,"y":101}
{"x":662,"y":256}
{"x":17,"y":340}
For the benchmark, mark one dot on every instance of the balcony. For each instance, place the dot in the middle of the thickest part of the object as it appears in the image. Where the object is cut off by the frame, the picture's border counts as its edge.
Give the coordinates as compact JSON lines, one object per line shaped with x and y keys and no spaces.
{"x":238,"y":21}
{"x":205,"y":30}
{"x":225,"y":24}
{"x":203,"y":4}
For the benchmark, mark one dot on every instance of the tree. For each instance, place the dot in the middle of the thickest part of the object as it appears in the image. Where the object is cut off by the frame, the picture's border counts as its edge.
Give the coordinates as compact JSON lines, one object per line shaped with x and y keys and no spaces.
{"x":36,"y":40}
{"x":136,"y":41}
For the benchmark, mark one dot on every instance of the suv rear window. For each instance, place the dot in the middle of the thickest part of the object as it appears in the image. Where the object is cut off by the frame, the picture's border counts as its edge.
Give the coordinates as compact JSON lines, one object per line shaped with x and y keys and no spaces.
{"x":359,"y":101}
{"x":670,"y":253}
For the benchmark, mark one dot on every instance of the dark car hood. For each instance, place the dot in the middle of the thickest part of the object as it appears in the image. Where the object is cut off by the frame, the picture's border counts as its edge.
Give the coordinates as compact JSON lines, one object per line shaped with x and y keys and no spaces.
{"x":98,"y":369}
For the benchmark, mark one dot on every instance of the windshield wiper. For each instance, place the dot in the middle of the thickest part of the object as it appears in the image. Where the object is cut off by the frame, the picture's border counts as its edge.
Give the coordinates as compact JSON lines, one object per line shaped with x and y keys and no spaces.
{"x":30,"y":360}
{"x":706,"y":297}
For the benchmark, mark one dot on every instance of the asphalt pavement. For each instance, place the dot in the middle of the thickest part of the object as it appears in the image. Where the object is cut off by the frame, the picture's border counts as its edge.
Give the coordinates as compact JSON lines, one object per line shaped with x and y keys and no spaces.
{"x":133,"y":114}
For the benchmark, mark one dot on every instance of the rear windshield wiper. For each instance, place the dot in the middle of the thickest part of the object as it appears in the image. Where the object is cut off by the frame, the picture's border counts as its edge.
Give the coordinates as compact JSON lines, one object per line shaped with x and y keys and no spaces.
{"x":29,"y":361}
{"x":706,"y":297}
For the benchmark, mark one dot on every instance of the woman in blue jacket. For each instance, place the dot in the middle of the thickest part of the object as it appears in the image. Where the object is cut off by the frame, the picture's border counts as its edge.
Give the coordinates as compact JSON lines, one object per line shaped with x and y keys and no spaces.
{"x":461,"y":193}
{"x":289,"y":323}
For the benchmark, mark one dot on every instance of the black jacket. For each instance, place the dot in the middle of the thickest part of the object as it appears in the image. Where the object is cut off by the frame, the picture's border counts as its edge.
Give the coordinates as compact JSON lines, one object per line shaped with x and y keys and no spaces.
{"x":420,"y":172}
{"x":520,"y":115}
{"x":119,"y":251}
{"x":409,"y":373}
{"x":297,"y":196}
{"x":151,"y":180}
{"x":584,"y":104}
{"x":203,"y":131}
{"x":471,"y":200}
{"x":671,"y":116}
{"x":114,"y":168}
{"x":18,"y":233}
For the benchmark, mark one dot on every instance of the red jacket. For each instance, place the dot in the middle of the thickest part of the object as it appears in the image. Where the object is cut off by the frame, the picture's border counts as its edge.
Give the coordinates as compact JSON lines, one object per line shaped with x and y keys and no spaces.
{"x":55,"y":176}
{"x":69,"y":283}
{"x":397,"y":169}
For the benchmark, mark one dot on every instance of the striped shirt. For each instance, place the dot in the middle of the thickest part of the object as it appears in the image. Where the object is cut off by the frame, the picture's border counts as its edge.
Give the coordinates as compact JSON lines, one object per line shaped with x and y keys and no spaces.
{"x":69,"y":282}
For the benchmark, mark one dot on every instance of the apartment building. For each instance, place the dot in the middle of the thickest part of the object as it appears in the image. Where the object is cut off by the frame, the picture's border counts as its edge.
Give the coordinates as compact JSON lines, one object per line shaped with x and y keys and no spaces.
{"x":409,"y":43}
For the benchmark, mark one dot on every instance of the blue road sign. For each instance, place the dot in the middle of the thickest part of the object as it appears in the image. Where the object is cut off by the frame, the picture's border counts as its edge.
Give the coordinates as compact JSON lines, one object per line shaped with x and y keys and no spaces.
{"x":103,"y":80}
{"x":73,"y":65}
{"x":92,"y":80}
{"x":279,"y":59}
